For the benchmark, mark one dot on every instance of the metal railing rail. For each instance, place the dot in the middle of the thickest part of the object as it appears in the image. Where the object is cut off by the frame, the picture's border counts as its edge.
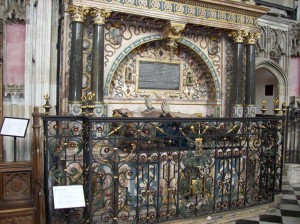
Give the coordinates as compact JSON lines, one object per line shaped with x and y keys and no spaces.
{"x":142,"y":170}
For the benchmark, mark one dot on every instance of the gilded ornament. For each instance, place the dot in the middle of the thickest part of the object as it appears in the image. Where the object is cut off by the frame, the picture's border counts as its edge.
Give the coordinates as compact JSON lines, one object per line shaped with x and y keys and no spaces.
{"x":238,"y":36}
{"x":77,"y":13}
{"x":252,"y":38}
{"x":99,"y":15}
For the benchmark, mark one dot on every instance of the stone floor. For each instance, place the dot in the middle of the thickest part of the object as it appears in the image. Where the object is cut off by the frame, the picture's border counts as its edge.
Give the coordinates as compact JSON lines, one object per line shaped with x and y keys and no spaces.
{"x":288,"y":211}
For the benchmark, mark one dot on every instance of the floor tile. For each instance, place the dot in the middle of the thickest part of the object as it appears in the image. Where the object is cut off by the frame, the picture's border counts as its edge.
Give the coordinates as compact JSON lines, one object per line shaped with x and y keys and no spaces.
{"x":290,"y":220}
{"x":242,"y":221}
{"x":288,"y":201}
{"x":290,"y":213}
{"x":271,"y":218}
{"x":290,"y":207}
{"x":289,"y":196}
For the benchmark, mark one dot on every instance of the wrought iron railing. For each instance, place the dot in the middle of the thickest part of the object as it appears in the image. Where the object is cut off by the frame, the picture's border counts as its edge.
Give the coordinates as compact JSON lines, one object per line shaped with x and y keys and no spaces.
{"x":292,"y":154}
{"x":155,"y":170}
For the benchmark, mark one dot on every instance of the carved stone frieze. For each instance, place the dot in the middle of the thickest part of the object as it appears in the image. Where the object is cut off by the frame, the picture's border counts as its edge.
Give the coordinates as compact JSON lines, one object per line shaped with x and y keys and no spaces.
{"x":13,"y":93}
{"x":222,"y":14}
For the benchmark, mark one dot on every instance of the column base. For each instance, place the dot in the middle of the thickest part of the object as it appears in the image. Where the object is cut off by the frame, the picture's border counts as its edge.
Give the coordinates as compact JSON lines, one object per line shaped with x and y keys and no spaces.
{"x":249,"y":111}
{"x":236,"y":110}
{"x":100,"y":110}
{"x":74,"y":109}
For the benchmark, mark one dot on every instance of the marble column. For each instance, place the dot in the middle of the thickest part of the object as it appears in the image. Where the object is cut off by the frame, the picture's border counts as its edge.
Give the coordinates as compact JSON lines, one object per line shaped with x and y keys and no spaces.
{"x":250,"y":107}
{"x":97,"y":74}
{"x":77,"y":14}
{"x":237,"y":80}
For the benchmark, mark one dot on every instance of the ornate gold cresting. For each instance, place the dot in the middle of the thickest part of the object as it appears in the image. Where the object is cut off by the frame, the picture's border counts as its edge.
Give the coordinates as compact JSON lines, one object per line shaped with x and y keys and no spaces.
{"x":78,"y":13}
{"x":251,"y":38}
{"x":238,"y":36}
{"x":99,"y":15}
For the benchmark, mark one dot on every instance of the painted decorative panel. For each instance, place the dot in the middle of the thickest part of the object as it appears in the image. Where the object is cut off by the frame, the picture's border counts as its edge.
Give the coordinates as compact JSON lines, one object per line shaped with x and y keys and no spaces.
{"x":197,"y":81}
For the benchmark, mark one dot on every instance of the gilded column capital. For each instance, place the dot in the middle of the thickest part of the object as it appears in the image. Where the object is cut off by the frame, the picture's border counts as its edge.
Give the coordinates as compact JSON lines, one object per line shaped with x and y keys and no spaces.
{"x":99,"y":15}
{"x":238,"y":35}
{"x":77,"y":13}
{"x":252,"y":38}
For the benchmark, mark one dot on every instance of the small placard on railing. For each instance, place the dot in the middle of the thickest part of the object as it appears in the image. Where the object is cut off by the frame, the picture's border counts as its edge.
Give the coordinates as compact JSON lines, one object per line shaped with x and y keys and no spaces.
{"x":70,"y":196}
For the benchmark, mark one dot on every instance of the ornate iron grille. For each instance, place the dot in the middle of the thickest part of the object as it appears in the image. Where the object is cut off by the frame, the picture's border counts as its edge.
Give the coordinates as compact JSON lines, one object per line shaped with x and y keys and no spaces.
{"x":155,"y":170}
{"x":292,"y":154}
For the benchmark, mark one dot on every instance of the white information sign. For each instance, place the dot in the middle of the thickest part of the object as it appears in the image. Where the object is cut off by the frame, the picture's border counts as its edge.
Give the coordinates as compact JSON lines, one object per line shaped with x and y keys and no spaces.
{"x":70,"y":196}
{"x":14,"y":126}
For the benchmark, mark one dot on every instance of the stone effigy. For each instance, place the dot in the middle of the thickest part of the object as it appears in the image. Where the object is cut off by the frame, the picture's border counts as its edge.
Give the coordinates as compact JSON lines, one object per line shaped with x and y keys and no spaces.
{"x":153,"y":112}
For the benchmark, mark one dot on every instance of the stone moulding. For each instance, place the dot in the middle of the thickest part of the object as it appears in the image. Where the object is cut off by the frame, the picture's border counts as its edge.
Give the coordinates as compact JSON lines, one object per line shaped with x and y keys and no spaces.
{"x":228,"y":15}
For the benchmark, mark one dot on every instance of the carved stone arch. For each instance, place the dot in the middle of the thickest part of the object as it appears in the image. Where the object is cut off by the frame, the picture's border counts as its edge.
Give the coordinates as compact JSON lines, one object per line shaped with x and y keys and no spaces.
{"x":127,"y":49}
{"x":279,"y":74}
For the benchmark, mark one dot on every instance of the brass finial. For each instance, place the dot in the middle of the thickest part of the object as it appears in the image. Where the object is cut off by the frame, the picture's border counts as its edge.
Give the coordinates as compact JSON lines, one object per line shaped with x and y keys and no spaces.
{"x":47,"y":106}
{"x":263,"y":108}
{"x":276,"y":106}
{"x":88,"y":104}
{"x":83,"y":105}
{"x":283,"y":108}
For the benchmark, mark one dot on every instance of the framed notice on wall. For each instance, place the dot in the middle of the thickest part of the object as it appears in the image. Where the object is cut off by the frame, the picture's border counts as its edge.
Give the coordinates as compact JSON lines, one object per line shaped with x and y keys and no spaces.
{"x":15,"y":127}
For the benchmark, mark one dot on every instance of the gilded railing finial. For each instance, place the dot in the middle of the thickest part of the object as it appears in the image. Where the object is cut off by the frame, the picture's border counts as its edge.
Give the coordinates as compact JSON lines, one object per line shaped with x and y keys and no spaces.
{"x":283,"y":108}
{"x":83,"y":105}
{"x":47,"y":106}
{"x":263,"y":107}
{"x":276,"y":106}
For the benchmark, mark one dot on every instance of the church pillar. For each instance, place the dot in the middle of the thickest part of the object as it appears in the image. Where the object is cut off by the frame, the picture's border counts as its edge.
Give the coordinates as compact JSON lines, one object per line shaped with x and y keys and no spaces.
{"x":97,"y":75}
{"x":237,"y":83}
{"x":250,"y":107}
{"x":77,"y":14}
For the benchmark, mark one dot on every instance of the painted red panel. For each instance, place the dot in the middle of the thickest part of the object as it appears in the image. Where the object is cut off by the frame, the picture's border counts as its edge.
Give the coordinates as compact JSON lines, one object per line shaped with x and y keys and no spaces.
{"x":294,"y":77}
{"x":14,"y":53}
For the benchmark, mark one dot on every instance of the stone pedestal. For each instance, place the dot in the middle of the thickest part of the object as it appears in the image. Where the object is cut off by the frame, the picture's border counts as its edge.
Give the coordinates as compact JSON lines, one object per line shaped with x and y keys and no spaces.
{"x":293,"y":173}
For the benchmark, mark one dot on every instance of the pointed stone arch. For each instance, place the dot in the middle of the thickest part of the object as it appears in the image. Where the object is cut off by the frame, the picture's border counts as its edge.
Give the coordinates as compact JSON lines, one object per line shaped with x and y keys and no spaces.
{"x":279,"y":74}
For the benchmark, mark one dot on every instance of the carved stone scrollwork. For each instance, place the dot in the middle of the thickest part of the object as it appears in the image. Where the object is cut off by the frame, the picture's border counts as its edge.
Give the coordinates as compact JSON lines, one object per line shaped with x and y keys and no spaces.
{"x":172,"y":30}
{"x":99,"y":15}
{"x":78,"y":13}
{"x":238,"y":36}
